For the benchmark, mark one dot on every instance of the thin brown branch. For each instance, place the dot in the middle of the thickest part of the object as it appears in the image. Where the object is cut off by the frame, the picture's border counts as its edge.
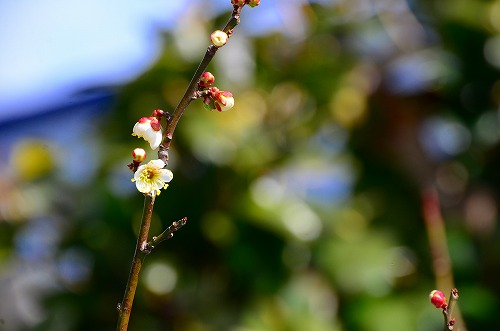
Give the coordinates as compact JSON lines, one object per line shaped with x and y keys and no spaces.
{"x":125,"y":308}
{"x":449,"y":319}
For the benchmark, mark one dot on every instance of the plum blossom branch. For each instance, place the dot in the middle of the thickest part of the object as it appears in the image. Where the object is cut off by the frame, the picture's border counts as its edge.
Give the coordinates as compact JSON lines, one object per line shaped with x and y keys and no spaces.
{"x":152,"y":177}
{"x":438,"y":299}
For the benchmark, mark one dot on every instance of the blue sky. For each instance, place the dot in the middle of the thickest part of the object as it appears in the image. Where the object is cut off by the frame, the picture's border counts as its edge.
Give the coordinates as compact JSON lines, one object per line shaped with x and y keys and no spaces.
{"x":51,"y":49}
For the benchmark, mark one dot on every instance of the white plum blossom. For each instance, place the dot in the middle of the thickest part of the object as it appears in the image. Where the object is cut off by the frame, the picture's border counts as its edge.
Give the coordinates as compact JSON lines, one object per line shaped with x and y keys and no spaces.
{"x":148,"y":128}
{"x":151,"y":177}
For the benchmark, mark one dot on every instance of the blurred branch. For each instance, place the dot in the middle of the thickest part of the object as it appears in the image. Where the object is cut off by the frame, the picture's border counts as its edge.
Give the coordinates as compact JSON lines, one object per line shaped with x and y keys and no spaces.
{"x":125,"y":308}
{"x":436,"y":234}
{"x":441,"y":262}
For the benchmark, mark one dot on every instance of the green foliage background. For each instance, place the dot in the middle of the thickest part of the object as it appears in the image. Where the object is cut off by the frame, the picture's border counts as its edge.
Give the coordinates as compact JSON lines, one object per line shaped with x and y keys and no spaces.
{"x":304,"y":200}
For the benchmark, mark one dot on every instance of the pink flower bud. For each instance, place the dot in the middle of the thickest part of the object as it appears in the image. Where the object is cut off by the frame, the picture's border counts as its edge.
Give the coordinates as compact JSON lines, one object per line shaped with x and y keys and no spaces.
{"x":438,"y":299}
{"x":139,"y":155}
{"x":219,"y":38}
{"x":253,"y":3}
{"x":238,"y":3}
{"x":206,"y":79}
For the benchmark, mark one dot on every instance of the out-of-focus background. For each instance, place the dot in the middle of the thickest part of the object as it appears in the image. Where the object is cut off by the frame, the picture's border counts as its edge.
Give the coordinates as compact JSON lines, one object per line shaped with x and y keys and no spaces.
{"x":304,"y":200}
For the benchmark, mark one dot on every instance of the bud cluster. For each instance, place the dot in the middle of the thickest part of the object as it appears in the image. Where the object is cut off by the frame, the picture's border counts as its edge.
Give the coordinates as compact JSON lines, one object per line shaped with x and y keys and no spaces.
{"x":213,"y":98}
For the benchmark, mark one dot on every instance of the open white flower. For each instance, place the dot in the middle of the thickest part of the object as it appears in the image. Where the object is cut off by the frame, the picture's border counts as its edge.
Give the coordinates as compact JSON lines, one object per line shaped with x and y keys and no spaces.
{"x":150,"y":129}
{"x":151,"y":177}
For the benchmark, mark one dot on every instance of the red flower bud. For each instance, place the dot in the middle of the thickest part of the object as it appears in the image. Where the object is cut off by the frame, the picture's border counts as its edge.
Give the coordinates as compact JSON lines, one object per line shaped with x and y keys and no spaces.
{"x":238,"y":3}
{"x":206,"y":79}
{"x":438,"y":299}
{"x":158,"y":113}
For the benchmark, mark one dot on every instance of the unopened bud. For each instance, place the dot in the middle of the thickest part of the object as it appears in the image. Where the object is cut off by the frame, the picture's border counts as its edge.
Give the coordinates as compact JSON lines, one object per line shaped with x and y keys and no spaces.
{"x":219,"y":38}
{"x":438,"y":299}
{"x":238,"y":3}
{"x":206,"y":79}
{"x":157,"y":113}
{"x":224,"y":100}
{"x":253,"y":3}
{"x":139,"y":155}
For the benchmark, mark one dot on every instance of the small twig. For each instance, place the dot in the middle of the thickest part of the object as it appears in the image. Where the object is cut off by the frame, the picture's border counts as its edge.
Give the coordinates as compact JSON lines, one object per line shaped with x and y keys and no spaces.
{"x":165,"y":235}
{"x":449,"y":320}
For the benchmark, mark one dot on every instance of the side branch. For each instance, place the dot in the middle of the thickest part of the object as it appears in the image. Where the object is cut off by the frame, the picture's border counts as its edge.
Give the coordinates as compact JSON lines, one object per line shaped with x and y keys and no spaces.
{"x":449,"y":320}
{"x":165,"y":235}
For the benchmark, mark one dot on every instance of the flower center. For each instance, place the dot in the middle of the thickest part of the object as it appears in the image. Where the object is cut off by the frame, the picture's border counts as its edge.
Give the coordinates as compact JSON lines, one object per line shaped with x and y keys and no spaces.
{"x":148,"y":174}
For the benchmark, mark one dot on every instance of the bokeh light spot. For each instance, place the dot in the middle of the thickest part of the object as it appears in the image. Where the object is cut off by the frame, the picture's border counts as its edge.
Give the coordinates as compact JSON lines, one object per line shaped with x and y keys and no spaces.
{"x":32,"y":159}
{"x":160,"y":278}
